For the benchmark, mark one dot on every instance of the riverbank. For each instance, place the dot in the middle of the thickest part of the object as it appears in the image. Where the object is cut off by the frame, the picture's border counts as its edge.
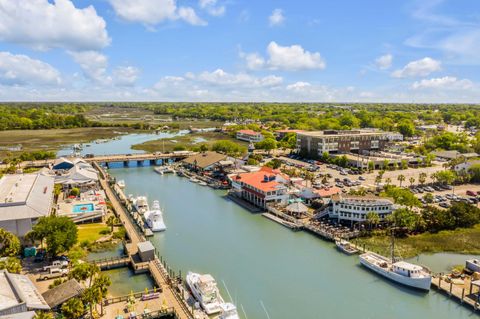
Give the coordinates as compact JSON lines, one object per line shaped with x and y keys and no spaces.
{"x":462,"y":241}
{"x":54,"y":139}
{"x":188,"y":141}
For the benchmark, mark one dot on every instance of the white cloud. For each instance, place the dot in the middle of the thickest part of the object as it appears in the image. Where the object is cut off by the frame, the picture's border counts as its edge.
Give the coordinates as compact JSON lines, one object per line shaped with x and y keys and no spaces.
{"x":422,"y":67}
{"x":298,"y":86}
{"x":44,"y":25}
{"x":276,"y":18}
{"x":254,"y":61}
{"x":23,"y":70}
{"x":152,"y":12}
{"x":94,"y":65}
{"x":212,"y":8}
{"x":125,"y":75}
{"x":446,"y":82}
{"x":222,"y":78}
{"x":293,"y":58}
{"x":384,"y":62}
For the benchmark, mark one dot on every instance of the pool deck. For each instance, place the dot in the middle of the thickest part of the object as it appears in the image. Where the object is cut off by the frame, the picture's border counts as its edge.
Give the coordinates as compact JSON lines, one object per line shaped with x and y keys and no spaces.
{"x":65,"y":207}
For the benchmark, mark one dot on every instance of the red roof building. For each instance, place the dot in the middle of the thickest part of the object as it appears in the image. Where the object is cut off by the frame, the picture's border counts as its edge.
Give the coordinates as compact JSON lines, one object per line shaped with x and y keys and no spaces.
{"x":249,"y":136}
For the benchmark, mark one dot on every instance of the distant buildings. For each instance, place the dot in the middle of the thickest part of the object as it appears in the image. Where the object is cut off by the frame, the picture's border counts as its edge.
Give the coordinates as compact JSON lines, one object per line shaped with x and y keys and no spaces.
{"x":23,"y":199}
{"x":314,"y":144}
{"x":355,"y":208}
{"x":72,"y":173}
{"x":281,"y":133}
{"x":262,"y":187}
{"x":205,"y":161}
{"x":249,"y":136}
{"x":18,"y":295}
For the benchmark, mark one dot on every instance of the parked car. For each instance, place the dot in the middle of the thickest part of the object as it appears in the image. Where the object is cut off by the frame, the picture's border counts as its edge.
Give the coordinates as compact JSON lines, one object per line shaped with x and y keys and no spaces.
{"x":361,"y":178}
{"x":444,"y":205}
{"x":471,"y":193}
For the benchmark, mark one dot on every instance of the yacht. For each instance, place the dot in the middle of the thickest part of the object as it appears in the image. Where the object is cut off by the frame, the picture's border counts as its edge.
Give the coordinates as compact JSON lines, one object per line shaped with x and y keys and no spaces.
{"x":121,"y":184}
{"x":204,"y":289}
{"x":141,"y":204}
{"x":164,"y":170}
{"x":229,"y":311}
{"x":402,"y":272}
{"x":154,"y":218}
{"x":345,"y":247}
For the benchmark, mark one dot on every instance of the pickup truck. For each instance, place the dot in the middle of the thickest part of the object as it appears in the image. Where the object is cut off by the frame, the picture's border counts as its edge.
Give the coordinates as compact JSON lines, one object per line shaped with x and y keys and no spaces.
{"x":53,"y":273}
{"x":56,"y":264}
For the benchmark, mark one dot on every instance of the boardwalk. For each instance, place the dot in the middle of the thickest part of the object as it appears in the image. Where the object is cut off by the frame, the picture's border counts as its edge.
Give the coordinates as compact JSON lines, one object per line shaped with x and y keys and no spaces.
{"x":158,"y":272}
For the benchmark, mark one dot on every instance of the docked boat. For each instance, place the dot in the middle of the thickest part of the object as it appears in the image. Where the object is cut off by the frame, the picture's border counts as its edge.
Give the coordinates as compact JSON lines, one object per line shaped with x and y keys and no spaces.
{"x":229,"y":311}
{"x":164,"y":170}
{"x":194,"y":180}
{"x":346,"y":247}
{"x":121,"y":184}
{"x":141,"y":204}
{"x":402,"y":272}
{"x":202,"y":183}
{"x":204,"y":289}
{"x":154,"y":218}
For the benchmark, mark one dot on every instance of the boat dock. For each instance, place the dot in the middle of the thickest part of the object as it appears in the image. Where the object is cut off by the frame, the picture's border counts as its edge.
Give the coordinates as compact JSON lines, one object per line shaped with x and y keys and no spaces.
{"x":163,"y":276}
{"x":292,"y":226}
{"x":464,"y":291}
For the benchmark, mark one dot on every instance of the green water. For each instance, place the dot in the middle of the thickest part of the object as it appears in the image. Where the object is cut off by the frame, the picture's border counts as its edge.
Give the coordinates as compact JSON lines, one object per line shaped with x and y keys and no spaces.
{"x":124,"y":281}
{"x":268,"y":268}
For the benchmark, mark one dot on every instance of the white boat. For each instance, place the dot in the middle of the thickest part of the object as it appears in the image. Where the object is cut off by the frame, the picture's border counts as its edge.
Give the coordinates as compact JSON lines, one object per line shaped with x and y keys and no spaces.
{"x":164,"y":170}
{"x":229,"y":311}
{"x":402,"y":272}
{"x":154,"y":218}
{"x":204,"y":289}
{"x":194,"y":180}
{"x":141,"y":204}
{"x":121,"y":184}
{"x":202,"y":183}
{"x":345,"y":247}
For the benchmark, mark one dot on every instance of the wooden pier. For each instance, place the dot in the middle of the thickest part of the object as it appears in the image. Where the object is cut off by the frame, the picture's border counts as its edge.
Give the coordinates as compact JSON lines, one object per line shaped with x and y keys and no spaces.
{"x":464,"y":293}
{"x":158,"y":270}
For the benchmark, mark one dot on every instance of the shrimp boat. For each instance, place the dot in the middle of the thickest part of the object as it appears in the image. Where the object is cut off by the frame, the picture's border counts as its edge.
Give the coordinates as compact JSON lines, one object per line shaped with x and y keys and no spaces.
{"x":345,"y":247}
{"x":204,"y":289}
{"x":154,"y":218}
{"x":141,"y":204}
{"x":402,"y":272}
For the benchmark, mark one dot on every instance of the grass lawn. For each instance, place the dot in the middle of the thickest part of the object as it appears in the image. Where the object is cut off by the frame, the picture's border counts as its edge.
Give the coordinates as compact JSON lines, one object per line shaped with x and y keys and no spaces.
{"x":464,"y":241}
{"x":189,"y":141}
{"x":90,"y":232}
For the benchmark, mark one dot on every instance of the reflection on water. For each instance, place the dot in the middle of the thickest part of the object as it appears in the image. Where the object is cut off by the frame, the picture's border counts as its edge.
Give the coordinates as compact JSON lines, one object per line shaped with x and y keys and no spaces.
{"x":109,"y":253}
{"x":125,"y":281}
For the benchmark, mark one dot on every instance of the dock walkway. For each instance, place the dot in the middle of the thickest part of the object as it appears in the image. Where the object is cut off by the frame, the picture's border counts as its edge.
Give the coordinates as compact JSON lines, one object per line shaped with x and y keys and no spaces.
{"x":157,"y":270}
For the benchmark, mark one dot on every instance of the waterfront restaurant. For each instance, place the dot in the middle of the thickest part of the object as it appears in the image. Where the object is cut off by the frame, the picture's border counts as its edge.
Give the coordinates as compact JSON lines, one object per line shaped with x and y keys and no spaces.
{"x":262,"y":187}
{"x":354,"y":209}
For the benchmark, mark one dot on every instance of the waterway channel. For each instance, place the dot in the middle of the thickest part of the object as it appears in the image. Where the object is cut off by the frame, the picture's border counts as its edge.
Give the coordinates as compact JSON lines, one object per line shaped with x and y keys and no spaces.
{"x":270,"y":271}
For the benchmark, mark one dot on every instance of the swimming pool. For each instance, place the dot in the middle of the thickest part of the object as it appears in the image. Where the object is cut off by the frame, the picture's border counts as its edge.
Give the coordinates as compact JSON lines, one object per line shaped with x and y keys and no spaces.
{"x":83,"y":208}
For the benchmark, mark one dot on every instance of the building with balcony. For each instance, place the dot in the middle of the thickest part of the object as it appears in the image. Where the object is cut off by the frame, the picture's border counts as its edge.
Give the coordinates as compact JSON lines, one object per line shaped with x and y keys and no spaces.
{"x":314,"y":144}
{"x":249,"y":136}
{"x":355,"y":208}
{"x":262,"y":187}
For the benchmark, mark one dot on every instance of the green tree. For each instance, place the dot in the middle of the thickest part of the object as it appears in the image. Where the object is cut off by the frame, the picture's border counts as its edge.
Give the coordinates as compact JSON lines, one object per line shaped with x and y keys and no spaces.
{"x":11,"y":264}
{"x":111,"y":221}
{"x":75,"y":192}
{"x":388,"y":181}
{"x":228,"y":147}
{"x":474,"y":172}
{"x":73,"y":309}
{"x":59,"y":233}
{"x":446,"y":177}
{"x":372,"y":219}
{"x":406,"y":128}
{"x":267,"y":144}
{"x":203,"y":148}
{"x":9,"y":244}
{"x":411,"y":180}
{"x":422,"y":178}
{"x":371,"y":166}
{"x":83,"y":271}
{"x":43,"y":315}
{"x":428,"y":197}
{"x":274,"y":163}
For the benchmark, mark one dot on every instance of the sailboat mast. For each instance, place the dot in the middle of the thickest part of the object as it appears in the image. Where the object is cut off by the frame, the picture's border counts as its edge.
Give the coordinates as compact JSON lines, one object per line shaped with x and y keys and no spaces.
{"x":392,"y":245}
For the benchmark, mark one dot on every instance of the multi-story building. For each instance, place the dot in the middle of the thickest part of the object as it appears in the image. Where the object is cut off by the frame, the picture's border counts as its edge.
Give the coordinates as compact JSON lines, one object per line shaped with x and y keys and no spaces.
{"x":249,"y":136}
{"x":262,"y":187}
{"x":355,"y":209}
{"x":314,"y":144}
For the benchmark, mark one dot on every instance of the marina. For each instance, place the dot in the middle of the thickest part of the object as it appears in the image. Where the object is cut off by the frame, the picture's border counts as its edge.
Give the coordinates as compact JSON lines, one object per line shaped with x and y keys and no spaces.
{"x":208,"y":215}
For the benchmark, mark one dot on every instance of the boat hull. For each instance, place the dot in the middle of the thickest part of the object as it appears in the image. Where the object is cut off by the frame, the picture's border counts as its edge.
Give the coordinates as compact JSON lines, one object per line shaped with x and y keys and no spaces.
{"x":209,"y":308}
{"x":417,"y":283}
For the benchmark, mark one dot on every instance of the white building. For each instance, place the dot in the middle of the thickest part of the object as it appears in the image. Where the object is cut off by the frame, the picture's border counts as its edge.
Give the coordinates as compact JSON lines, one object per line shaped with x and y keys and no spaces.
{"x":249,"y":136}
{"x":355,"y":208}
{"x":23,"y":199}
{"x":19,"y":295}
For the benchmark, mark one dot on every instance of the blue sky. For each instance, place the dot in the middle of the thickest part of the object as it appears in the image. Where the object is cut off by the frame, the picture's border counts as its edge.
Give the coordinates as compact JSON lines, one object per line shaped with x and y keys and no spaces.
{"x":233,"y":50}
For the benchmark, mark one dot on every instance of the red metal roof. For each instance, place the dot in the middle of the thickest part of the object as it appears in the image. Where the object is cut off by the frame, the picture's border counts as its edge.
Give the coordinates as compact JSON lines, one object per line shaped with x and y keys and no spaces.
{"x":249,"y":132}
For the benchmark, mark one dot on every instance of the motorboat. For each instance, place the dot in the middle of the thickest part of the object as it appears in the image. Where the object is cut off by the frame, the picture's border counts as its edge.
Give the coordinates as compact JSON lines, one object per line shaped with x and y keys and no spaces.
{"x":141,"y":204}
{"x":164,"y":170}
{"x":121,"y":184}
{"x":228,"y":311}
{"x":202,"y":183}
{"x":345,"y":247}
{"x":204,"y":289}
{"x":154,"y":218}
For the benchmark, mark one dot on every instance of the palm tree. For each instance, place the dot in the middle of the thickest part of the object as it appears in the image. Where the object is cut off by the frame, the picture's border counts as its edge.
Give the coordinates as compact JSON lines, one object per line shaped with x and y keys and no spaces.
{"x":412,"y":180}
{"x":388,"y":181}
{"x":422,"y":178}
{"x":401,"y":179}
{"x":72,"y":309}
{"x":111,"y":221}
{"x":43,"y":315}
{"x":434,"y":177}
{"x":372,"y":219}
